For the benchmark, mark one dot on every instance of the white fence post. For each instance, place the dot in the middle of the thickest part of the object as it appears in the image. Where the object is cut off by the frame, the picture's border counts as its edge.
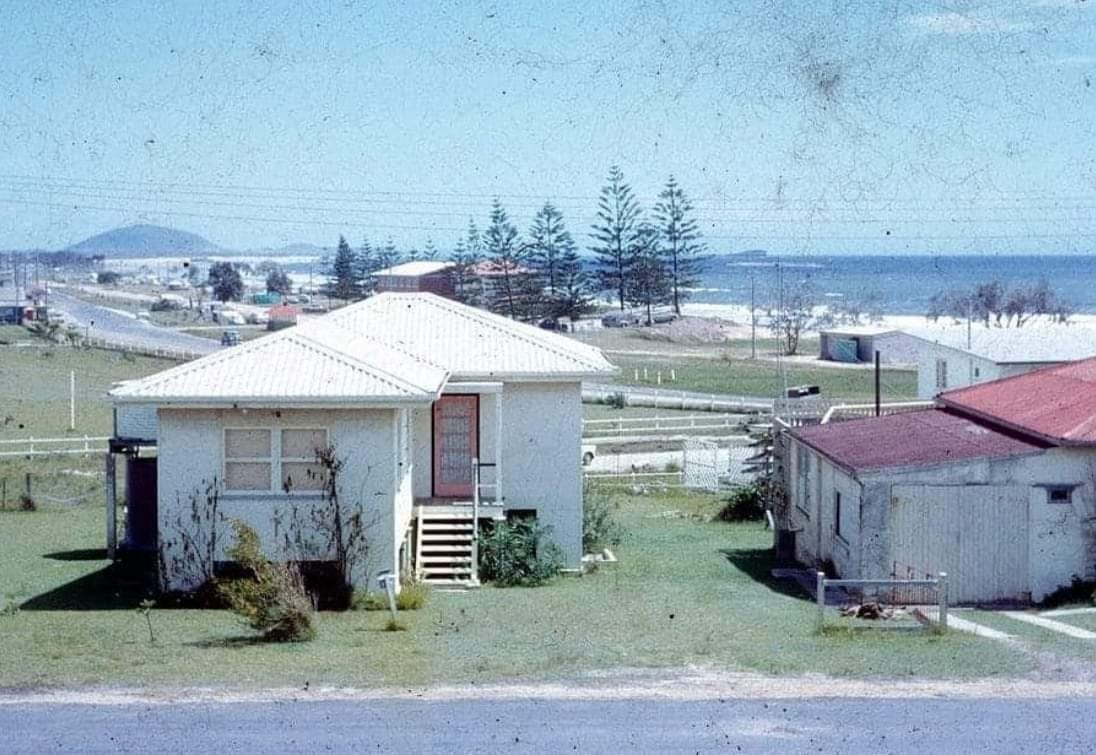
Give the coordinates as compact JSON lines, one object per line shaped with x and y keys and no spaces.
{"x":820,"y":597}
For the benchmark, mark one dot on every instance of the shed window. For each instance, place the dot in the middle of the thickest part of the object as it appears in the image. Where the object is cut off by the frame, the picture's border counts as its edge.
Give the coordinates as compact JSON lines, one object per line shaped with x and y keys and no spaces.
{"x":941,"y":374}
{"x":1060,"y":494}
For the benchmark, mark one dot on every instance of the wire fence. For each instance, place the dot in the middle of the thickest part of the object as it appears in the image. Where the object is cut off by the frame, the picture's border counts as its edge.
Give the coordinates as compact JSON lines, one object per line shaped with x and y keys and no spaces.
{"x":881,"y":601}
{"x":30,"y":448}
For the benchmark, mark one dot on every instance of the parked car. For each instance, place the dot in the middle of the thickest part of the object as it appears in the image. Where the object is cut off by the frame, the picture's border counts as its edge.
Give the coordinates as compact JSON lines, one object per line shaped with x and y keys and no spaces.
{"x":663,"y":316}
{"x":231,"y":317}
{"x":620,"y":320}
{"x":230,"y":338}
{"x":258,"y":318}
{"x":551,"y":323}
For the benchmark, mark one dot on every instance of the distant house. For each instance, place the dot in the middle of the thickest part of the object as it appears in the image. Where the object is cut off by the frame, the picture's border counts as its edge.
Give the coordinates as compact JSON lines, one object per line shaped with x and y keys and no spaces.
{"x":430,"y":407}
{"x":951,"y":356}
{"x":421,"y":275}
{"x":954,"y":357}
{"x":995,"y":486}
{"x":282,"y":316}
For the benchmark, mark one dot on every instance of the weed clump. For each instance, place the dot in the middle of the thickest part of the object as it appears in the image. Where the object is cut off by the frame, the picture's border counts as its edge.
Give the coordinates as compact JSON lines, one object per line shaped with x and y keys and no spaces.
{"x":270,"y":597}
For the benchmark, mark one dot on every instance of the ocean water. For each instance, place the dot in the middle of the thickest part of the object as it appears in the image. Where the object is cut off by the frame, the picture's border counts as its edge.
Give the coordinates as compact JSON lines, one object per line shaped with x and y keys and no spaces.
{"x":898,"y":284}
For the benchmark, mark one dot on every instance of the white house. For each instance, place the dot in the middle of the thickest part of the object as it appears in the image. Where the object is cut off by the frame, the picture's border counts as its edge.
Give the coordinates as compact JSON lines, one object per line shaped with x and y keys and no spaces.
{"x":431,"y":408}
{"x":954,"y":356}
{"x":996,"y":486}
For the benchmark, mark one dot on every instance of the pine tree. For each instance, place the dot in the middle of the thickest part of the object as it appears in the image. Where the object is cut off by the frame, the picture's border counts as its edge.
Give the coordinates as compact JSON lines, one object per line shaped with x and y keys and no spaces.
{"x":387,"y":255}
{"x":365,"y":265}
{"x":649,"y":280}
{"x":615,"y":235}
{"x":573,"y":285}
{"x":465,"y":284}
{"x":430,"y":252}
{"x":549,"y":237}
{"x":343,"y":284}
{"x":501,"y":247}
{"x":680,"y":241}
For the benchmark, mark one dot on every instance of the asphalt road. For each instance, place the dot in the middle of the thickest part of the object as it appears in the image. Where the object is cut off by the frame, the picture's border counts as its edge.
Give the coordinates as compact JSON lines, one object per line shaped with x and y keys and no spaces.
{"x":916,"y":725}
{"x":121,"y":329}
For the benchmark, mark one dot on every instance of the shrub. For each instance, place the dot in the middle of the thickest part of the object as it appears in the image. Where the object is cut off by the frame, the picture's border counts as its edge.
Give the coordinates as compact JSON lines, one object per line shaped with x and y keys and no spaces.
{"x":26,"y":503}
{"x":517,"y":554}
{"x":600,"y":528}
{"x":394,"y":626}
{"x":617,"y":400}
{"x":368,"y":601}
{"x":746,"y":504}
{"x":270,"y":597}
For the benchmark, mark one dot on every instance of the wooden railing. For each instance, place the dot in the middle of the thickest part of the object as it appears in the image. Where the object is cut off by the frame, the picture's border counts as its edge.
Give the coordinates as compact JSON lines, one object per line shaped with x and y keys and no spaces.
{"x":32,"y":447}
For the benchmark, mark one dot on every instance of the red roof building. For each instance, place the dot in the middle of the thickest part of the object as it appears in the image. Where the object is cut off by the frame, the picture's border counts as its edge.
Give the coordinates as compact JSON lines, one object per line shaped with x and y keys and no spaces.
{"x":911,"y":439}
{"x":1056,"y":404}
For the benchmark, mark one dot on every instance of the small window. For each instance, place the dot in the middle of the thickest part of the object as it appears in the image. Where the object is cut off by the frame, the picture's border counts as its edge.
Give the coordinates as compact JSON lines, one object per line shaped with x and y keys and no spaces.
{"x":301,"y":469}
{"x":248,"y":462}
{"x":1060,"y":494}
{"x":977,"y":372}
{"x":941,"y":374}
{"x":837,"y":514}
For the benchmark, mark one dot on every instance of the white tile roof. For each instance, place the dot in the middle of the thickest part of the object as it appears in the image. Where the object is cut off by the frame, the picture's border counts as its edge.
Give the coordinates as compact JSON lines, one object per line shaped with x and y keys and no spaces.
{"x":320,"y":367}
{"x":390,"y":348}
{"x":1036,"y":342}
{"x":416,"y":268}
{"x":471,"y":343}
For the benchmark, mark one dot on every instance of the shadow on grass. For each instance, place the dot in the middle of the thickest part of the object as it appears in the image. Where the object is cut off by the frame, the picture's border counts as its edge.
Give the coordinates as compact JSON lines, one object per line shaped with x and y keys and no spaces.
{"x":121,"y":585}
{"x":86,"y":554}
{"x":758,"y":565}
{"x":238,"y":641}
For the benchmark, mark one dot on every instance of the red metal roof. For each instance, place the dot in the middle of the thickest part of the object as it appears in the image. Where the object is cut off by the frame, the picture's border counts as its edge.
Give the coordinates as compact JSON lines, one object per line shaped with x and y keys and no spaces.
{"x":1057,"y":404}
{"x":910,"y":439}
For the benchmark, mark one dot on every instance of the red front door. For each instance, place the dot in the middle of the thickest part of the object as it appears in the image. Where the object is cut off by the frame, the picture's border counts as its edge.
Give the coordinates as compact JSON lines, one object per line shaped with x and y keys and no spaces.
{"x":456,"y":443}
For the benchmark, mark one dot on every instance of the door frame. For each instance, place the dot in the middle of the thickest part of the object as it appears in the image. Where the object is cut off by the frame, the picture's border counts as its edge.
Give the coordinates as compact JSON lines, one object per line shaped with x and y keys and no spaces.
{"x":434,"y":437}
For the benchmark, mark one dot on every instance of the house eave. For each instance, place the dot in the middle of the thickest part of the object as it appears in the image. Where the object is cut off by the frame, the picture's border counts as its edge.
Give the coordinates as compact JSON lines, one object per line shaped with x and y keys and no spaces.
{"x":274,"y":402}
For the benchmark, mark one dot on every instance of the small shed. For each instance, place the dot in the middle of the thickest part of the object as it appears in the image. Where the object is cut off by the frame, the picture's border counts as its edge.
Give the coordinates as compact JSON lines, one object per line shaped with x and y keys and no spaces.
{"x":858,"y":344}
{"x":282,"y":316}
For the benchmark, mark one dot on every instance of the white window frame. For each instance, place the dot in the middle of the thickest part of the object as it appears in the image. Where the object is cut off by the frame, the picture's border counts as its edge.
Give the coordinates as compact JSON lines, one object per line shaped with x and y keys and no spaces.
{"x":275,"y":460}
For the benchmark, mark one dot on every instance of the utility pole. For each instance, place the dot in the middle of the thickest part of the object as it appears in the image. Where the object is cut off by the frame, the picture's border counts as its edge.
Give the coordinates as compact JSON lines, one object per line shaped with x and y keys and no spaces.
{"x":877,"y":406}
{"x":753,"y":319}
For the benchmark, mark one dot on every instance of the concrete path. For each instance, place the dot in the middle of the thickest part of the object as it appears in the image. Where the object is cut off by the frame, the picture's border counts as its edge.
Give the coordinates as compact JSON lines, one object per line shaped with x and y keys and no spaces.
{"x":1051,"y":624}
{"x":966,"y":625}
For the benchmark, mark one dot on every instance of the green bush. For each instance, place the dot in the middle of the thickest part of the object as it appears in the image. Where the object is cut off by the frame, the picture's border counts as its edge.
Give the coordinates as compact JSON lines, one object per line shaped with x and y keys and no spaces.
{"x":369,"y":601}
{"x":746,"y":504}
{"x":518,"y":554}
{"x":270,"y":597}
{"x":600,"y":528}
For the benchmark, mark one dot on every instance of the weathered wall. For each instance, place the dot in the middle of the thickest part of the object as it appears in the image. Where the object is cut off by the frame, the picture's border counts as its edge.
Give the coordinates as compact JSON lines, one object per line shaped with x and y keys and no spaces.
{"x":963,"y":369}
{"x":191,"y":458}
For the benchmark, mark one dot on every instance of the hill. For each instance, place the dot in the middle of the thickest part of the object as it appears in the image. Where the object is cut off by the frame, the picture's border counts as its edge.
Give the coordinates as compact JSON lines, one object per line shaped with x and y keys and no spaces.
{"x":145,"y":241}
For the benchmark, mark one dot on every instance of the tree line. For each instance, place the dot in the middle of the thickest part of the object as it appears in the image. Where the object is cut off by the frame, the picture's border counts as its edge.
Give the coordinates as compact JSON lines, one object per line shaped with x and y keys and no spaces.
{"x":642,"y":260}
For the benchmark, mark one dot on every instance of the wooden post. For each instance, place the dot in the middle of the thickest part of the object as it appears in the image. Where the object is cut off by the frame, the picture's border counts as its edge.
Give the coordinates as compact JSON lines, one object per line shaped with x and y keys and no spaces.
{"x":498,"y":449}
{"x":942,"y":600}
{"x":27,"y":485}
{"x":72,"y":400}
{"x":820,"y":597}
{"x":112,"y":506}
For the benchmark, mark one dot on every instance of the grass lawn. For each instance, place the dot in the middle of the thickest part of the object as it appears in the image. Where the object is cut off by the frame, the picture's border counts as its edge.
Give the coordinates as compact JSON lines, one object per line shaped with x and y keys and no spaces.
{"x":684,"y":592}
{"x":762,"y":378}
{"x":1040,"y":639}
{"x":34,"y":388}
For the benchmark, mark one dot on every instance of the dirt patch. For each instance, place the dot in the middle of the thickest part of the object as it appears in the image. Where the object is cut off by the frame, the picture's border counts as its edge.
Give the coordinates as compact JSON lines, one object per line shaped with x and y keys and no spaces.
{"x":696,"y":331}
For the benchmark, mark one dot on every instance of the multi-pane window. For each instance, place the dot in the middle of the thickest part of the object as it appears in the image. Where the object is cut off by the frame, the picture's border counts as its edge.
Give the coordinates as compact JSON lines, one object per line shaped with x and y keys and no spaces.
{"x":264,"y":461}
{"x":837,"y":514}
{"x":941,"y":374}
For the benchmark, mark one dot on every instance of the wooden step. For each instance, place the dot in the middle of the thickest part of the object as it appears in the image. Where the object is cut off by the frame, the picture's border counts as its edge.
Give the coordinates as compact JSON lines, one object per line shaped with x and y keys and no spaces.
{"x":436,"y":527}
{"x":446,"y":570}
{"x":437,"y":548}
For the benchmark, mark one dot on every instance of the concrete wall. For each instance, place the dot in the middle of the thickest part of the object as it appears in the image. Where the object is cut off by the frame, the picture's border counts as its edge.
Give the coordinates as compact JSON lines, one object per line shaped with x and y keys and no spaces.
{"x":191,"y":460}
{"x":1060,"y":542}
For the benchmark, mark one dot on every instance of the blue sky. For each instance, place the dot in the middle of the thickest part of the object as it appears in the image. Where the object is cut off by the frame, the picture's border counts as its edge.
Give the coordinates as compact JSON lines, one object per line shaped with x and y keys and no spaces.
{"x":797,"y":127}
